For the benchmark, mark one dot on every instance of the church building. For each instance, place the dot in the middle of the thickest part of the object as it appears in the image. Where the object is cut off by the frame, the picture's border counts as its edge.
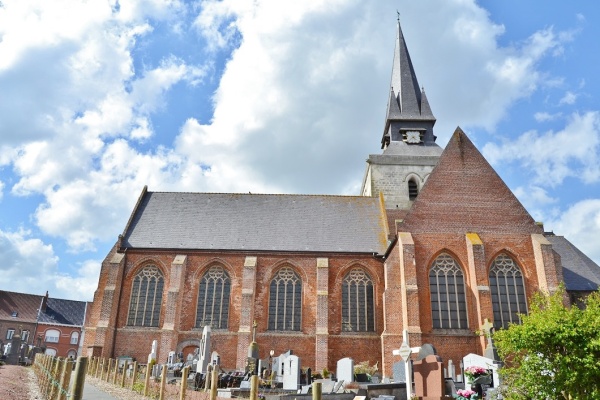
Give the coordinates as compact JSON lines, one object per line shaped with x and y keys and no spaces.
{"x":434,"y":244}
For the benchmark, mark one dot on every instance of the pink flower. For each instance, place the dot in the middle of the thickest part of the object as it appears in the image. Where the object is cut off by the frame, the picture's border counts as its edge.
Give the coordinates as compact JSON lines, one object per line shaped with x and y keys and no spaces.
{"x":466,"y":394}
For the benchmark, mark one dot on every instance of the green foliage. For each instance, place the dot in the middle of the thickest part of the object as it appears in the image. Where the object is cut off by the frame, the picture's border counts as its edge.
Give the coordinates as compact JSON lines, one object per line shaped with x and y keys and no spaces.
{"x":554,"y":353}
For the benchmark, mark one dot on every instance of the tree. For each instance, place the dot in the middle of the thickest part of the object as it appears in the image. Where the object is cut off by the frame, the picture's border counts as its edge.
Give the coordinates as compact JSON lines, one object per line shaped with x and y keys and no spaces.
{"x":555,"y":352}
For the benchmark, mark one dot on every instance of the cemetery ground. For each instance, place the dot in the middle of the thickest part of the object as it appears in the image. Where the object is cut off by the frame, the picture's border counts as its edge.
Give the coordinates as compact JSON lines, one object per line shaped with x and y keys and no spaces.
{"x":18,"y":382}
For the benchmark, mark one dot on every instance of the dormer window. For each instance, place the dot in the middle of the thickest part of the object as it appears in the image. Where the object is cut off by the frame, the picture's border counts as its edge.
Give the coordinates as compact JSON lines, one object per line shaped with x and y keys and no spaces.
{"x":413,"y":189}
{"x":14,"y":314}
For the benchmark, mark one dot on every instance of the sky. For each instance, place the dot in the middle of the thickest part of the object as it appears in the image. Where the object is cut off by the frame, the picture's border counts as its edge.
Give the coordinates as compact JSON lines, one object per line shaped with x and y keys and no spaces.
{"x":99,"y":98}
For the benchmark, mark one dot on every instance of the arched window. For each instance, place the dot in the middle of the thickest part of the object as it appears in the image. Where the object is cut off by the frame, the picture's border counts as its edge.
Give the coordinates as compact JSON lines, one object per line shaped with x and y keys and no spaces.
{"x":413,"y":189}
{"x":357,"y":302}
{"x":74,"y":337}
{"x":447,"y":288}
{"x":285,"y":301}
{"x":508,"y":291}
{"x":51,"y":336}
{"x":213,"y":299}
{"x":50,"y":351}
{"x":146,"y":298}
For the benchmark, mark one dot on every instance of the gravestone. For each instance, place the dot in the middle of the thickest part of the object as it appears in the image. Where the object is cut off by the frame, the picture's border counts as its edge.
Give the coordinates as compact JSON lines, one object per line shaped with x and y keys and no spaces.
{"x":345,"y":370}
{"x":291,"y":373}
{"x":451,"y":370}
{"x":152,"y":355}
{"x":204,"y":352}
{"x":429,"y":377}
{"x":171,"y":358}
{"x":478,"y":361}
{"x":215,"y":358}
{"x":15,"y":349}
{"x":490,"y":351}
{"x":278,"y":363}
{"x":426,"y":350}
{"x":399,"y":371}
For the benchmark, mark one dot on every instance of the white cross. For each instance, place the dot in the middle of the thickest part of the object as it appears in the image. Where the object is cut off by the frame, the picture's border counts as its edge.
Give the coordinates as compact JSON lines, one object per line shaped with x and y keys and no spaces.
{"x":405,"y":352}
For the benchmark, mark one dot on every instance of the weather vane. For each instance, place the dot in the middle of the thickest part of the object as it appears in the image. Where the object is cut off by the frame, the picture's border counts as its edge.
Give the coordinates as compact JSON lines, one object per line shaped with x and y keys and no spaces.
{"x":398,"y":12}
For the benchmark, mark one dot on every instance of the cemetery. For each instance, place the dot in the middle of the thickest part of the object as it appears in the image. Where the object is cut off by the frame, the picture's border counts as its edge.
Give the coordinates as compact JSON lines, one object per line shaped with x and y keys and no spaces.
{"x":284,"y":376}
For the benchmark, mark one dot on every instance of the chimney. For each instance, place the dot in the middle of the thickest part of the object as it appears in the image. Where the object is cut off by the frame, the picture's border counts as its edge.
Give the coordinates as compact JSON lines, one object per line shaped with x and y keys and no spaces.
{"x":44,"y":302}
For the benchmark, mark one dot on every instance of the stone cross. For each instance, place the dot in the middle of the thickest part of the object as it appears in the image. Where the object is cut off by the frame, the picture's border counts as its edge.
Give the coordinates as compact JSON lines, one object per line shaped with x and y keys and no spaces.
{"x":400,"y":352}
{"x":490,"y":350}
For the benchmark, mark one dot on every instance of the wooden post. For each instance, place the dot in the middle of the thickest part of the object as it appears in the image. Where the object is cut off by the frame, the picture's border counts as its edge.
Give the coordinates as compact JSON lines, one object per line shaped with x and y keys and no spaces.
{"x":147,"y":382}
{"x":116,"y":371}
{"x":134,"y":374}
{"x":253,"y":387}
{"x":316,"y":390}
{"x":184,"y":375}
{"x":56,"y":367}
{"x":163,"y":381}
{"x":65,"y":379}
{"x":99,"y":365}
{"x":124,"y":372}
{"x":79,"y":378}
{"x":108,"y":368}
{"x":214,"y":384}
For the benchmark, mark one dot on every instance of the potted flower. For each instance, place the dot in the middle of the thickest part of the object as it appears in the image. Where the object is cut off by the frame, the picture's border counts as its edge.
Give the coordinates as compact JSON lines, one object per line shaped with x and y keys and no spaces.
{"x":478,"y":376}
{"x":466,"y":394}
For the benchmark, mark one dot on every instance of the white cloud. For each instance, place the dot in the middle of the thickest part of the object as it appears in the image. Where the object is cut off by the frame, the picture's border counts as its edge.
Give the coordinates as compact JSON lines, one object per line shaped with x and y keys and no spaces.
{"x":553,"y":156}
{"x":568,"y":98}
{"x":545,"y":117}
{"x":580,"y":224}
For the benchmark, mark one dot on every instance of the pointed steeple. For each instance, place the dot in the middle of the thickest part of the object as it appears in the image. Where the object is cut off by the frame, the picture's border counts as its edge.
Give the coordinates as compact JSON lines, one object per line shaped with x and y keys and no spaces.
{"x":408,"y":109}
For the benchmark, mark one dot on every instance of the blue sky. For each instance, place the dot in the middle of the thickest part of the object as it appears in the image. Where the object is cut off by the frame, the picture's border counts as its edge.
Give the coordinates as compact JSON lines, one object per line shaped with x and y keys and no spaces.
{"x":99,"y":98}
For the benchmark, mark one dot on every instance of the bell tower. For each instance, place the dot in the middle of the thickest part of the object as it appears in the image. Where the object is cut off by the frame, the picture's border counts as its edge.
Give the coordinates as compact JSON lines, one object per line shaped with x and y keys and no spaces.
{"x":409,"y":149}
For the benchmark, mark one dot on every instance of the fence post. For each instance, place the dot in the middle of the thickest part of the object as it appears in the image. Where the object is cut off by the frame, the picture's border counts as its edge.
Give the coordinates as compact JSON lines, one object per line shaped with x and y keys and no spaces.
{"x":147,"y":381}
{"x":253,"y":387}
{"x":56,"y":367}
{"x":163,"y":381}
{"x":134,"y":374}
{"x":214,"y":384}
{"x":116,"y":371}
{"x":110,"y":362}
{"x":124,"y":372}
{"x":64,"y":373}
{"x":316,"y":390}
{"x":184,"y":375}
{"x":79,"y":382}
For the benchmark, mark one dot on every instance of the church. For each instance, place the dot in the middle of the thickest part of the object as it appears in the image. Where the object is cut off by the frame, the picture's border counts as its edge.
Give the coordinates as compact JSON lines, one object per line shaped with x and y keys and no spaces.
{"x":435,"y":244}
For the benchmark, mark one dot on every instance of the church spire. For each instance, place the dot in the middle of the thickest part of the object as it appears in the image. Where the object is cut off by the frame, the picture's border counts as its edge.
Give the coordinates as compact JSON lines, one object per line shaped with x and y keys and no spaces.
{"x":408,"y":109}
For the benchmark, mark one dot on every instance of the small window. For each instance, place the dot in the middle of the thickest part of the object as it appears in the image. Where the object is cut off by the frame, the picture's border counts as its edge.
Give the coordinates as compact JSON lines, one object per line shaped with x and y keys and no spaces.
{"x":50,"y":352}
{"x":413,"y":189}
{"x":9,"y":334}
{"x":25,"y":336}
{"x":74,"y":337}
{"x":52,"y":336}
{"x":14,"y":314}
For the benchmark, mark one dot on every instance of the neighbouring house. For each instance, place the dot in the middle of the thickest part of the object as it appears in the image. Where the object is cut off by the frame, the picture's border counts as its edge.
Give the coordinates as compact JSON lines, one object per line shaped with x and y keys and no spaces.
{"x":53,"y":324}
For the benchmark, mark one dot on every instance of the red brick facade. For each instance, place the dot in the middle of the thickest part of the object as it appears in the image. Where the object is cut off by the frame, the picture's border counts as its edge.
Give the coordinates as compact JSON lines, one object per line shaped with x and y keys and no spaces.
{"x":464,"y":210}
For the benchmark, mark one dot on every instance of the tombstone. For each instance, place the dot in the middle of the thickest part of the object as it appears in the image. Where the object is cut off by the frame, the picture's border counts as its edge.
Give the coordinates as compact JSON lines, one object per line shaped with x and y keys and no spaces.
{"x":451,"y":370}
{"x":215,"y":358}
{"x":429,"y":377}
{"x":278,"y":363}
{"x":345,"y":370}
{"x":291,"y":373}
{"x":426,"y":350}
{"x":476,"y":360}
{"x":204,"y":352}
{"x":399,"y":372}
{"x":490,"y":351}
{"x":152,"y":355}
{"x":15,"y":349}
{"x":171,"y":358}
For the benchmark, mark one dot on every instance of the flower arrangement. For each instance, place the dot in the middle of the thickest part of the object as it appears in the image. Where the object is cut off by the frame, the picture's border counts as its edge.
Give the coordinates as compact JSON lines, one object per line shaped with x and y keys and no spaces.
{"x":466,"y":394}
{"x":474,"y":372}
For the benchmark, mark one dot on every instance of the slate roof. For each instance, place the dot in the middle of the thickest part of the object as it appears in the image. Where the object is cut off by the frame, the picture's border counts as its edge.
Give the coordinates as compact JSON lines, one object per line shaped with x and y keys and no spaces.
{"x":25,"y":305}
{"x":257,"y":222}
{"x":579,"y":271}
{"x":64,"y":312}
